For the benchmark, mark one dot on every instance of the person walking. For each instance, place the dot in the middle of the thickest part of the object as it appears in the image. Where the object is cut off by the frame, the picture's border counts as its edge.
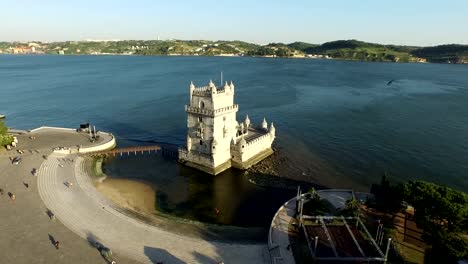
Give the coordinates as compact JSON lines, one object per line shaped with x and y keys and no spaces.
{"x":57,"y":243}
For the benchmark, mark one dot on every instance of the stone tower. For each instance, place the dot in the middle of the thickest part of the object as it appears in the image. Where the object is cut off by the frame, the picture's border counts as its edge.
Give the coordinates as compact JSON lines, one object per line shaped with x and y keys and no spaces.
{"x":213,"y":133}
{"x":211,"y":126}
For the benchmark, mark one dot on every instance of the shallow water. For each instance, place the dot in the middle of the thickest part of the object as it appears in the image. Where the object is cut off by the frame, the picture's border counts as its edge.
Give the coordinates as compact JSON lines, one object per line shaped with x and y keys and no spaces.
{"x":194,"y":195}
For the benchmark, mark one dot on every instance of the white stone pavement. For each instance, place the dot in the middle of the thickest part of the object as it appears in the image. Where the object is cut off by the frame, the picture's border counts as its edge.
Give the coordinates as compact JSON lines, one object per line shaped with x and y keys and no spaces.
{"x":278,"y":237}
{"x":89,"y":214}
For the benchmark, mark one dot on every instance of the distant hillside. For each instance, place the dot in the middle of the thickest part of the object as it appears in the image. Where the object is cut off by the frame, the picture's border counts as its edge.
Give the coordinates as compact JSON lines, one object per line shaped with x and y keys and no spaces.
{"x":363,"y":51}
{"x":340,"y":49}
{"x":444,"y":54}
{"x":302,"y":46}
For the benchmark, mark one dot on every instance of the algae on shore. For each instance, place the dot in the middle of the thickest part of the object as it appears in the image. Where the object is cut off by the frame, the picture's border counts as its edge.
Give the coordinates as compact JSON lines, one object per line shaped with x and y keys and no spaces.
{"x":129,"y":194}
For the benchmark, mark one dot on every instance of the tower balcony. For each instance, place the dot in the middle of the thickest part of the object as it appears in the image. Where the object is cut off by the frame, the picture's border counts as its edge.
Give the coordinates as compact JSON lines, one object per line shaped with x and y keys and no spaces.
{"x":209,"y":112}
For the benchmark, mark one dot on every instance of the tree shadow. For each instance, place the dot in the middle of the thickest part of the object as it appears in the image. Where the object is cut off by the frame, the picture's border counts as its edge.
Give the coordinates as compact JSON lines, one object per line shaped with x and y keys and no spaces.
{"x":161,"y":256}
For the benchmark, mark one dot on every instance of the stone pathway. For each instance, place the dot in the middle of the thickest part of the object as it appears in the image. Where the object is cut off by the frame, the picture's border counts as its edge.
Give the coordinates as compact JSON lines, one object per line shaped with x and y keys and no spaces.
{"x":26,"y":229}
{"x":278,"y":238}
{"x":89,"y":214}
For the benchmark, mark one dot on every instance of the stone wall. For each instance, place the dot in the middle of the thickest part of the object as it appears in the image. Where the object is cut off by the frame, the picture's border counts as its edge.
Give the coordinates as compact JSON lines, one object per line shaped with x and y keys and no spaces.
{"x":110,"y":144}
{"x":249,"y":154}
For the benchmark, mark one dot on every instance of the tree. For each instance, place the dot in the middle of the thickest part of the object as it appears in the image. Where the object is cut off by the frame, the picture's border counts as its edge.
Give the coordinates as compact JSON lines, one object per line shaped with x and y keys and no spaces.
{"x":351,"y":208}
{"x":388,"y":198}
{"x":442,"y":213}
{"x":315,"y":205}
{"x":5,"y":139}
{"x":282,"y":52}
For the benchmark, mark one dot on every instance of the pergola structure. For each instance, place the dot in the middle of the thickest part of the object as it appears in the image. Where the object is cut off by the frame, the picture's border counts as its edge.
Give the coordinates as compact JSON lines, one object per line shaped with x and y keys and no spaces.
{"x":341,"y":239}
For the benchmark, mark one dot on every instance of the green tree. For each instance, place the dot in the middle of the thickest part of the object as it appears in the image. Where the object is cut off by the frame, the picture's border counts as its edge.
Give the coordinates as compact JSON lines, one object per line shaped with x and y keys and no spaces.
{"x":351,"y":208}
{"x":282,"y":52}
{"x":5,"y":139}
{"x":442,"y":213}
{"x":315,"y":205}
{"x":388,"y":197}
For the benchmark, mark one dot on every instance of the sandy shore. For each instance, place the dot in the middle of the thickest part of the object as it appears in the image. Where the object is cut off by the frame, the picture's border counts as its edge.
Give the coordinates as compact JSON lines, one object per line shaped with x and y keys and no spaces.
{"x":129,"y":194}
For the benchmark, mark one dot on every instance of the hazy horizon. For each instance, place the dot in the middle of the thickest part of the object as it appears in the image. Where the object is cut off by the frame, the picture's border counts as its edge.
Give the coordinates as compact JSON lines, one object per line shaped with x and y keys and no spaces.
{"x":214,"y":40}
{"x":415,"y":23}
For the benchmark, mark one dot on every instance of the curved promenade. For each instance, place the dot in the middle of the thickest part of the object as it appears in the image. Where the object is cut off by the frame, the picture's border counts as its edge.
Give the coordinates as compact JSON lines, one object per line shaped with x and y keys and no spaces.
{"x":27,"y":230}
{"x":87,"y":213}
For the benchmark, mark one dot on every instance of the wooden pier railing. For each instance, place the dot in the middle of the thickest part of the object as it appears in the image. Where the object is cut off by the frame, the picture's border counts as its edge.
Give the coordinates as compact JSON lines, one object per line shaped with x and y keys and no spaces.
{"x":166,"y":151}
{"x":127,"y":150}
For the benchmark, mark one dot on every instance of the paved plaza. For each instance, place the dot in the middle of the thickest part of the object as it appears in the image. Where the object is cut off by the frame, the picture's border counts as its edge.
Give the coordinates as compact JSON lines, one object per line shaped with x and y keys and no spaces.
{"x":83,"y":214}
{"x":26,"y":228}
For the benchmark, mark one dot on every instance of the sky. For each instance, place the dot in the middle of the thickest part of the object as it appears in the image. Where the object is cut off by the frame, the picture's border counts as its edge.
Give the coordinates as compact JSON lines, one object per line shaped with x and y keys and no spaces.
{"x":401,"y":22}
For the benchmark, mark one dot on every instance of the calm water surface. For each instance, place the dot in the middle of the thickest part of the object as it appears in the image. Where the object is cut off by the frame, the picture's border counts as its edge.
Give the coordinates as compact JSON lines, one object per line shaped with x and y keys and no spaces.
{"x":339,"y":119}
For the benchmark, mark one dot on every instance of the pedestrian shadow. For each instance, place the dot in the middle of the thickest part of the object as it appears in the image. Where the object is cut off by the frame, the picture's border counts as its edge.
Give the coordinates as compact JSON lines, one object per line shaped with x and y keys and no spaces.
{"x":104,"y":251}
{"x":50,"y":214}
{"x":92,"y":239}
{"x":52,"y":239}
{"x":160,"y":256}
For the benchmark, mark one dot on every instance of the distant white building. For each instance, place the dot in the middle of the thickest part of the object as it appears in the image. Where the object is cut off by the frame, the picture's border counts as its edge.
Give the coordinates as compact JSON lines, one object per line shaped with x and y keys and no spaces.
{"x":215,"y":140}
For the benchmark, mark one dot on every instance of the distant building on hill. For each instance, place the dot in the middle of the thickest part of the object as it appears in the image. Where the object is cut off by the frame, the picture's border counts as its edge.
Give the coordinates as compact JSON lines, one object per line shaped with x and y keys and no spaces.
{"x":215,"y":140}
{"x":23,"y":49}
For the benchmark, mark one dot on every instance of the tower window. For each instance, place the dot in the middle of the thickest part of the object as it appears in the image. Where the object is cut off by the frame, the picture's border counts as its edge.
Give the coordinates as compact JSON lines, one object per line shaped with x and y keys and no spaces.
{"x":202,"y":104}
{"x":224,"y":118}
{"x":201,"y":142}
{"x":200,"y":119}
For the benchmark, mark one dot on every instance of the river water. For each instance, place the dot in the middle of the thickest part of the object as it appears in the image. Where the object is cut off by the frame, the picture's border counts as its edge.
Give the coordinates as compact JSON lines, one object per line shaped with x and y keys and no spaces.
{"x":338,"y":119}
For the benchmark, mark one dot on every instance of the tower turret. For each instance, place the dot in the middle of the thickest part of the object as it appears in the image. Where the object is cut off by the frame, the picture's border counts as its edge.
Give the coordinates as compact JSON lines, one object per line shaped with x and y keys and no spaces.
{"x":227,"y":88}
{"x":212,"y":87}
{"x":192,"y":87}
{"x":213,"y":146}
{"x":247,"y":122}
{"x":232,"y":86}
{"x":189,"y":143}
{"x":242,"y":143}
{"x":272,"y":129}
{"x":264,"y":124}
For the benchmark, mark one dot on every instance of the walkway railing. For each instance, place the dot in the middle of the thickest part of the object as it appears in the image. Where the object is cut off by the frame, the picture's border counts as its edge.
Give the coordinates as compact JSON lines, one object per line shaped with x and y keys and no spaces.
{"x":127,"y":150}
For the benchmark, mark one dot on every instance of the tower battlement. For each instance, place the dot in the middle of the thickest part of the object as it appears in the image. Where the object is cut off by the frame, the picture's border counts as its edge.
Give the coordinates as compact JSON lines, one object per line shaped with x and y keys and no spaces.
{"x":211,"y":89}
{"x":215,"y":140}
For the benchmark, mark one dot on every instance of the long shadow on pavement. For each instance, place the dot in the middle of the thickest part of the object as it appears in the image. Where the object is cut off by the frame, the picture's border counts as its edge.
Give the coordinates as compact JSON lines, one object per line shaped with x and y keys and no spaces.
{"x":157,"y":255}
{"x":204,"y":259}
{"x":52,"y":239}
